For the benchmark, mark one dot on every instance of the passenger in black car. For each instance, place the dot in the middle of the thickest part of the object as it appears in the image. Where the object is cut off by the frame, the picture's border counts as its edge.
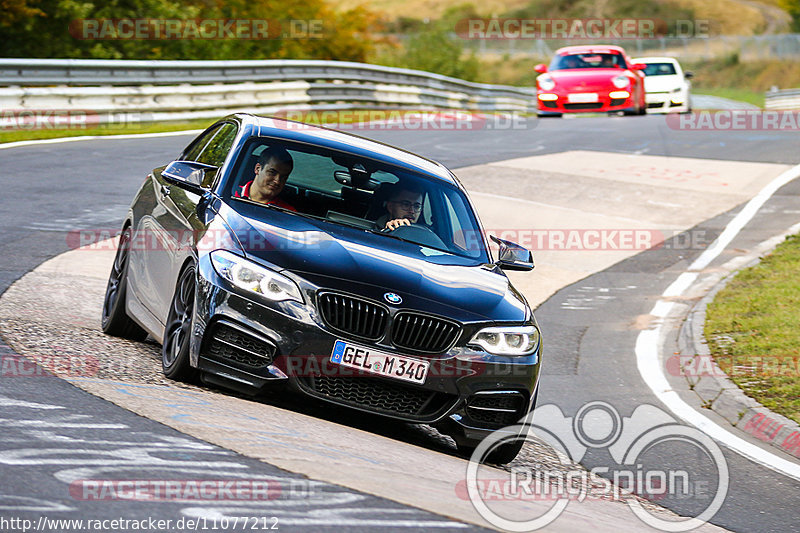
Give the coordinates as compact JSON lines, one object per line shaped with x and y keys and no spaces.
{"x":403,"y":207}
{"x":271,"y":172}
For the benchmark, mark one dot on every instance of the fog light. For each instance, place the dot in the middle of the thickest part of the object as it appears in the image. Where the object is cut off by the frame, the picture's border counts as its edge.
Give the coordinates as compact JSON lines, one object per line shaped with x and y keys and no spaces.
{"x":619,"y":94}
{"x":548,"y":97}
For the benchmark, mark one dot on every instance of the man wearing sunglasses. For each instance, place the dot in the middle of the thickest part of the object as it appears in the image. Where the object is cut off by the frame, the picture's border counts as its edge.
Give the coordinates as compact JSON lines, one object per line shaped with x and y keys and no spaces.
{"x":403,"y":207}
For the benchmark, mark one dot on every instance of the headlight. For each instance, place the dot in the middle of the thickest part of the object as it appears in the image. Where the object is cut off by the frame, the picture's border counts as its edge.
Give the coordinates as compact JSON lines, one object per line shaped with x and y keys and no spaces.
{"x":620,"y":82}
{"x":546,"y":83}
{"x":517,"y":340}
{"x":255,"y":278}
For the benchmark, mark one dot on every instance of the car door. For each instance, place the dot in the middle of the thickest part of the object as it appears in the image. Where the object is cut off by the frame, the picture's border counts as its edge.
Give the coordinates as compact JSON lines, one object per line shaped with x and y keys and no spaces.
{"x":175,"y":220}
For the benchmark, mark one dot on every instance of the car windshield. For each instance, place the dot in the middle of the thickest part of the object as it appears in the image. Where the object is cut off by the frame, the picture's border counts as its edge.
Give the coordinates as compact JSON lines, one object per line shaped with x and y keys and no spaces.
{"x":347,"y":189}
{"x":587,"y":60}
{"x":659,"y":69}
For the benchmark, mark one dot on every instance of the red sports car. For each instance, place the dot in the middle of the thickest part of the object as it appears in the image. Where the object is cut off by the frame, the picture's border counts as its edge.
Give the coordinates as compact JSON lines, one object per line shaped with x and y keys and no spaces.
{"x":590,"y":78}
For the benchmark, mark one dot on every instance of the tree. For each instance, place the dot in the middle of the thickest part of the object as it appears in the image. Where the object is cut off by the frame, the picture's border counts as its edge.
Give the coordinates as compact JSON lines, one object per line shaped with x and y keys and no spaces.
{"x":57,"y":29}
{"x":793,"y":8}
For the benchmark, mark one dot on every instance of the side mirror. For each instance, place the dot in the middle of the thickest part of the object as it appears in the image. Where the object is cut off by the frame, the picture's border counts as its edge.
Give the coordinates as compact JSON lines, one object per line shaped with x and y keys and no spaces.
{"x":638,"y":66}
{"x":541,"y":68}
{"x":189,"y":175}
{"x":512,"y":256}
{"x":688,"y":74}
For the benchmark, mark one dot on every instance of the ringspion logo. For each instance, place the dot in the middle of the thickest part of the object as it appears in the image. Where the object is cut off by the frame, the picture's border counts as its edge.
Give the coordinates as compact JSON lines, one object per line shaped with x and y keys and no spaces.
{"x":634,"y":456}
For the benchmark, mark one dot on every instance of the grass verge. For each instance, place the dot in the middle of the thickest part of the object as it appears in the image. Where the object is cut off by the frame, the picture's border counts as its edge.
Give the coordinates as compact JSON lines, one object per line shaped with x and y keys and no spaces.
{"x":741,"y":95}
{"x":315,"y":117}
{"x":121,"y":129}
{"x":752,"y":330}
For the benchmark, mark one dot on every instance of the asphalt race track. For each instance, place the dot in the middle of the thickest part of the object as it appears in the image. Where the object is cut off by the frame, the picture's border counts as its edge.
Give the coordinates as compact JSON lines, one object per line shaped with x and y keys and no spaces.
{"x":590,"y":324}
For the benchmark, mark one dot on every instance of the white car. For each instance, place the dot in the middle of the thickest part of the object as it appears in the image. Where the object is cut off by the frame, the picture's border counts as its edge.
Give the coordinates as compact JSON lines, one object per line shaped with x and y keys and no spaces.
{"x":667,"y":86}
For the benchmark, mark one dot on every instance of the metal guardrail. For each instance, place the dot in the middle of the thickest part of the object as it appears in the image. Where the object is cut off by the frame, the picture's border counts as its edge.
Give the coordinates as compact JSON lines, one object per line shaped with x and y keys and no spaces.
{"x":165,"y":90}
{"x":38,"y":72}
{"x":782,"y":99}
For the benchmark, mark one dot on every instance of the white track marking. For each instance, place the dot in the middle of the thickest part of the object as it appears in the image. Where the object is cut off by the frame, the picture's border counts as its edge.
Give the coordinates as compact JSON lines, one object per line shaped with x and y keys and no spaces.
{"x":649,"y":341}
{"x":97,"y":137}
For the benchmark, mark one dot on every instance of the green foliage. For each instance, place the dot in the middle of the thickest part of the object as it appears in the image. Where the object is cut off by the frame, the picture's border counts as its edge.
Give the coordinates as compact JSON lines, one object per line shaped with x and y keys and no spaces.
{"x":438,"y":51}
{"x":51,"y":28}
{"x":731,"y":60}
{"x":12,"y":11}
{"x":793,"y":8}
{"x":434,"y":47}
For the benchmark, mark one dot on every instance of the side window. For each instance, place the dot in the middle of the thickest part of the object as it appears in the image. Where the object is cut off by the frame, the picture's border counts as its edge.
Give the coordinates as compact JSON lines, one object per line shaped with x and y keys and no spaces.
{"x":194,"y":149}
{"x":212,"y":149}
{"x":216,"y":150}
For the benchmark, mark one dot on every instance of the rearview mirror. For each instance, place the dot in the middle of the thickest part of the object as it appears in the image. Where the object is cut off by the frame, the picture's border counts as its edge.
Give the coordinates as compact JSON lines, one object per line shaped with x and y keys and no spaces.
{"x":512,"y":256}
{"x":357,"y":176}
{"x":638,"y":66}
{"x":688,"y":74}
{"x":541,"y":68}
{"x":190,"y":175}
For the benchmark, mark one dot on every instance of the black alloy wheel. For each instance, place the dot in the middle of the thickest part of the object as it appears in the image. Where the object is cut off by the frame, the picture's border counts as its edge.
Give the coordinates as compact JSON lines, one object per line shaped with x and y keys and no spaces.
{"x":115,"y":321}
{"x":177,"y":335}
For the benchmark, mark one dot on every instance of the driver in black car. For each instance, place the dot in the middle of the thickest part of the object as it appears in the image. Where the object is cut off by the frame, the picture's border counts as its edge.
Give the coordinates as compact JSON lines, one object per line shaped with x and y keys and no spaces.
{"x":403,"y":207}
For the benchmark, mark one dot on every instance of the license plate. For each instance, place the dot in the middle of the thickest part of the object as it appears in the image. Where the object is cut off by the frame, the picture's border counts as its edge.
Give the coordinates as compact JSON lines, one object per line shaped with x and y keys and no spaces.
{"x":582,"y":98}
{"x":379,"y":363}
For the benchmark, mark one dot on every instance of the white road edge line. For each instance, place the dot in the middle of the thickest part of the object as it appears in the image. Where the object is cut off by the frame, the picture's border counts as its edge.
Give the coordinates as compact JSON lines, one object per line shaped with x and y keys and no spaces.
{"x":648,"y":342}
{"x":15,"y":144}
{"x":125,"y":136}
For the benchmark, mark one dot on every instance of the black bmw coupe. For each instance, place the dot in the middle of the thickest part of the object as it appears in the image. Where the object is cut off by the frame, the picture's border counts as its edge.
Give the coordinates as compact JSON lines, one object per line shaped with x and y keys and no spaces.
{"x":266,"y":254}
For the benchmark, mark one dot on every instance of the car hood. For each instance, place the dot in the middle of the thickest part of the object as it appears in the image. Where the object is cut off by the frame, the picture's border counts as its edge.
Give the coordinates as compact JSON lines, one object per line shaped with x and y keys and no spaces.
{"x":352,"y":260}
{"x":662,"y":84}
{"x":590,"y":78}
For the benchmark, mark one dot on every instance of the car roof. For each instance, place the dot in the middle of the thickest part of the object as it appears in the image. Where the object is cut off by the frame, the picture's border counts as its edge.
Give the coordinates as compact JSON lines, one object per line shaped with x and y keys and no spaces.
{"x":591,"y":49}
{"x":264,"y":126}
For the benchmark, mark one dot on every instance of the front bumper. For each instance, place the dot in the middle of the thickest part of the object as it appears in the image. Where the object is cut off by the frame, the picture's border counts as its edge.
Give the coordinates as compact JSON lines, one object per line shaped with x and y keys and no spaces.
{"x":605,"y":103}
{"x":667,"y":102}
{"x":248,"y":345}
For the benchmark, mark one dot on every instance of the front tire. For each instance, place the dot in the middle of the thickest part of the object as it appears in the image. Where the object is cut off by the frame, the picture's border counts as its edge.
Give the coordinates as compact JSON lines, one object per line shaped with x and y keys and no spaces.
{"x":115,"y":320}
{"x":177,"y":335}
